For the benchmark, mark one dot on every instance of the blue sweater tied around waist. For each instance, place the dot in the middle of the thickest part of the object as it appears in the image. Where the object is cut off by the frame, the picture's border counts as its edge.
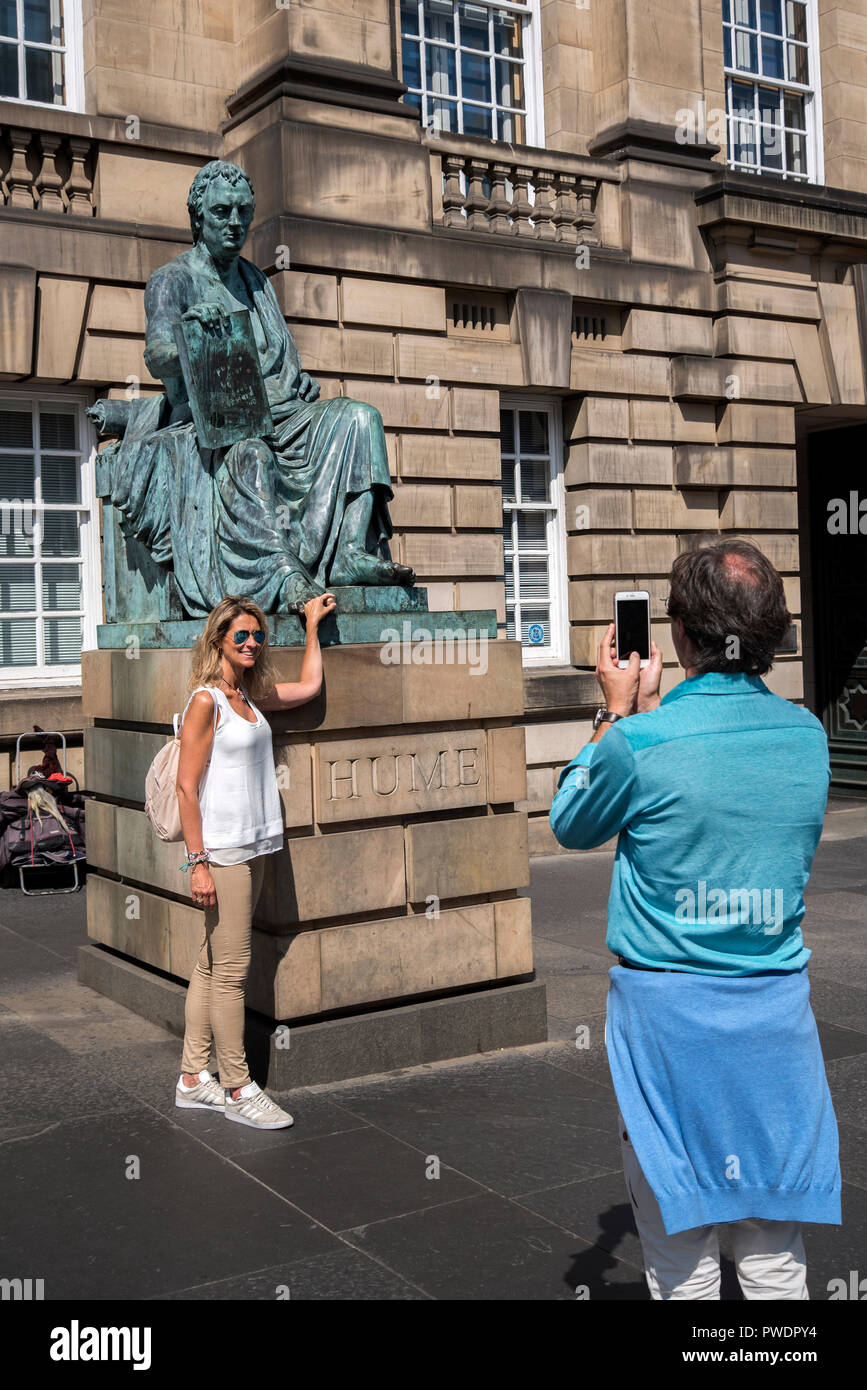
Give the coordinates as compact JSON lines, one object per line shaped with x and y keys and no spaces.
{"x":718,"y":805}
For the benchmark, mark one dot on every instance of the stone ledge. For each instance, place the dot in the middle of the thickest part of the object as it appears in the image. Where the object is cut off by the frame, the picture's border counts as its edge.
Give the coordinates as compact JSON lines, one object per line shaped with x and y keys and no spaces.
{"x":460,"y":1025}
{"x":561,"y":688}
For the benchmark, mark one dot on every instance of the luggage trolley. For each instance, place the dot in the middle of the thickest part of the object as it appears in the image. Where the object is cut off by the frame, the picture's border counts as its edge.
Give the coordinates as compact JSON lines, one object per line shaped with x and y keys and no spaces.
{"x":74,"y":863}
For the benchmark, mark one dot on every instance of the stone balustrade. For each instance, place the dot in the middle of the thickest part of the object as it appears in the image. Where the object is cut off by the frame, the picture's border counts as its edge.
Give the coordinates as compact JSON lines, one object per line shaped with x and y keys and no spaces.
{"x":515,"y":192}
{"x":47,"y":171}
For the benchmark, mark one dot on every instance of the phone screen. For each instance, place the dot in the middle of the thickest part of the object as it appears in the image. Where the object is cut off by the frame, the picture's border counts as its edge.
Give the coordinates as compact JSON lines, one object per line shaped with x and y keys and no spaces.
{"x":632,"y":628}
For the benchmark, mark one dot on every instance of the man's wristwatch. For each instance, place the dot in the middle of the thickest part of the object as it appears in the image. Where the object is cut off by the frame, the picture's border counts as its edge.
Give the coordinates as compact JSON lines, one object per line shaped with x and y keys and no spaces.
{"x":604,"y":716}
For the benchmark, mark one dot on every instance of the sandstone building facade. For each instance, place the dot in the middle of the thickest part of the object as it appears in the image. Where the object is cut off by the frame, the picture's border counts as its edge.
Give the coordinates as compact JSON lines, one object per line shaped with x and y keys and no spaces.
{"x":602,"y":267}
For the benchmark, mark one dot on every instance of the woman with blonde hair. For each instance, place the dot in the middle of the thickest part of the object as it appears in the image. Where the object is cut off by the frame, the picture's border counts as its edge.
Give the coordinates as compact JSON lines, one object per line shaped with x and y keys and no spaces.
{"x":229,"y":805}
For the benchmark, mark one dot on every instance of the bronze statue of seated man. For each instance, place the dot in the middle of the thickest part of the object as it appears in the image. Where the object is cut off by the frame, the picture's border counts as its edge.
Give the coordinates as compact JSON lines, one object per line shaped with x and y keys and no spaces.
{"x":280,"y":517}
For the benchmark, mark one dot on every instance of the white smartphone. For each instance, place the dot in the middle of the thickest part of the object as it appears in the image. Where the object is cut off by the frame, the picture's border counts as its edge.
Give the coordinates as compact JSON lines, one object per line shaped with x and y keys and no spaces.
{"x":632,"y":625}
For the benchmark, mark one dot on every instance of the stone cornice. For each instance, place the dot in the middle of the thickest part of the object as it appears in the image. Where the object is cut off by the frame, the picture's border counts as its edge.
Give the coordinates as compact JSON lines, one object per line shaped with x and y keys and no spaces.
{"x":791,"y":211}
{"x":19,"y":115}
{"x":339,"y":83}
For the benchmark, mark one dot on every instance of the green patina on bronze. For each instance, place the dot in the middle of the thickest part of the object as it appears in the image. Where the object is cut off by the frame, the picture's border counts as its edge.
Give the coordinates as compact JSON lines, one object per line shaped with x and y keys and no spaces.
{"x":238,"y":479}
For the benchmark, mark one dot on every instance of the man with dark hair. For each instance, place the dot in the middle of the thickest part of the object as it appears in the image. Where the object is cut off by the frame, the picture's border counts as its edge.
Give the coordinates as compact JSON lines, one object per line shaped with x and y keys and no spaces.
{"x":717,"y":793}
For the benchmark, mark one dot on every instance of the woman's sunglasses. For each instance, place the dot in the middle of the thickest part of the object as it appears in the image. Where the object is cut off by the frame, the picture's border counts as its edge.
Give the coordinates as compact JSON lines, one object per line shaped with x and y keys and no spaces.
{"x":240,"y":637}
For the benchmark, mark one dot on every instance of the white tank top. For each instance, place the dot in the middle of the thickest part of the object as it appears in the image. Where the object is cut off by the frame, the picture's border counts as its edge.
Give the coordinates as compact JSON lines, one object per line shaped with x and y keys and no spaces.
{"x":238,"y":796}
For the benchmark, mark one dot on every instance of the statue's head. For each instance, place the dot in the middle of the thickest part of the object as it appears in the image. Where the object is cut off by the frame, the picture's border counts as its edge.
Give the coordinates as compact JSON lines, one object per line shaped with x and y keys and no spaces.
{"x":221,"y":207}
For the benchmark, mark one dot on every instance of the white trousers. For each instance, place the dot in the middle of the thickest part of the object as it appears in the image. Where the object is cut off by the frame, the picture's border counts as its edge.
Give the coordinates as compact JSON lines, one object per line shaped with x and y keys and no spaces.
{"x":768,"y":1255}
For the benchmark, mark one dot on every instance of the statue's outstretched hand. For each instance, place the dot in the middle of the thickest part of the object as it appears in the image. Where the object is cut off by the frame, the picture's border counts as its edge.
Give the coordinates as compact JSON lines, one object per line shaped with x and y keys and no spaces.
{"x":212,"y":317}
{"x":308,"y":387}
{"x":316,"y":608}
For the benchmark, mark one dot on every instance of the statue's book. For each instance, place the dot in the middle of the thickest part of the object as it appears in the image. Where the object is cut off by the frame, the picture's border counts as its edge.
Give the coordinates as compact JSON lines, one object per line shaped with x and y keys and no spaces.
{"x":224,"y":381}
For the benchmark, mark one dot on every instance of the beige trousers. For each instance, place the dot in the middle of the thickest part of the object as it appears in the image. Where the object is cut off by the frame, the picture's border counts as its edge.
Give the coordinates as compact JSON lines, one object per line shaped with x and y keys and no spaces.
{"x":215,"y":998}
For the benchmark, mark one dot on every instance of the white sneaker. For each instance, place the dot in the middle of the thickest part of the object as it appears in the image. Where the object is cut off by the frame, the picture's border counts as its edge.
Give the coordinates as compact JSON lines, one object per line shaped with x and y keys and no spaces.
{"x":254,"y":1108}
{"x":208,"y":1095}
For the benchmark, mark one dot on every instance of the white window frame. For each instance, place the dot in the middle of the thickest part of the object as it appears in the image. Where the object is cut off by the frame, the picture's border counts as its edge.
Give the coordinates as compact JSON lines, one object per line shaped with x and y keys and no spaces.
{"x":534,"y":116}
{"x":73,"y":49}
{"x":44,"y":677}
{"x":557,"y":652}
{"x":811,"y":92}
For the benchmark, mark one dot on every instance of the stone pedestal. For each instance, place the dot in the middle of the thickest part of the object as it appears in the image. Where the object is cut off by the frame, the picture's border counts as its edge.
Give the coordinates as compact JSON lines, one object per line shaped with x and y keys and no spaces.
{"x":389,"y":930}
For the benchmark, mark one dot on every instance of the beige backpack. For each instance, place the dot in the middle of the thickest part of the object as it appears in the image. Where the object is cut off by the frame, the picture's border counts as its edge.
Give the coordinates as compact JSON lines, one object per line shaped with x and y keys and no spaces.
{"x":161,"y":791}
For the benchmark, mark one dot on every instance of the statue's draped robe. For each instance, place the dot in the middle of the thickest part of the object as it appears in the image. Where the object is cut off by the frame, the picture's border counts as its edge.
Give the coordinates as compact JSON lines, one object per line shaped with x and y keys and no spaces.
{"x":245,"y":519}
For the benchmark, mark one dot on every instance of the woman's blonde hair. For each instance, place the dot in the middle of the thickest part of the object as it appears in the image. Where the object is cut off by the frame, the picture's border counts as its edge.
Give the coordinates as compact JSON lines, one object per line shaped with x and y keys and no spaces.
{"x":207,"y":656}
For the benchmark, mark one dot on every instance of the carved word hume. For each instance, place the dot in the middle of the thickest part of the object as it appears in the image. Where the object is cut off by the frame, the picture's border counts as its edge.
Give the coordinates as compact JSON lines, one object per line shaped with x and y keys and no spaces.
{"x":367,"y":778}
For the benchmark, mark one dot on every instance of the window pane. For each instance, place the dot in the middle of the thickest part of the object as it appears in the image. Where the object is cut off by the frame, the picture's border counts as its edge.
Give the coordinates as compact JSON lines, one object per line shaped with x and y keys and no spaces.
{"x":479,"y":120}
{"x":796,"y":153}
{"x":409,"y":16}
{"x":17,"y":525}
{"x":771,"y":12}
{"x":533,"y":426}
{"x":474,"y":26}
{"x":510,"y":84}
{"x":510,"y":624}
{"x":743,"y":98}
{"x":8,"y":70}
{"x":60,"y":533}
{"x":439,"y":22}
{"x":743,"y":142}
{"x":44,"y":75}
{"x":795,"y":115}
{"x":17,"y":588}
{"x":56,"y":430}
{"x":534,"y":480}
{"x":475,"y":77}
{"x":507,"y":431}
{"x":442,"y":115}
{"x":61,"y":586}
{"x":531,"y":531}
{"x":62,"y":641}
{"x":411,"y":64}
{"x":507,"y":34}
{"x":727,"y":13}
{"x":60,"y":478}
{"x":508,"y":478}
{"x":441,"y":70}
{"x":43,"y":21}
{"x":772,"y":147}
{"x":17,"y":477}
{"x":745,"y":51}
{"x":745,"y":12}
{"x":17,"y":641}
{"x":796,"y":20}
{"x":512,"y":127}
{"x":9,"y":18}
{"x":535,"y":626}
{"x":798,"y":65}
{"x":727,"y":48}
{"x":535,"y":586}
{"x":770,"y":104}
{"x":772,"y":58}
{"x":16,"y":428}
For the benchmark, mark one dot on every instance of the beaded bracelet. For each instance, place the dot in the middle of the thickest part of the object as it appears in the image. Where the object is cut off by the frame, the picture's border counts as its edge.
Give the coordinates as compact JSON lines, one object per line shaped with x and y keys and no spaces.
{"x":202,"y":856}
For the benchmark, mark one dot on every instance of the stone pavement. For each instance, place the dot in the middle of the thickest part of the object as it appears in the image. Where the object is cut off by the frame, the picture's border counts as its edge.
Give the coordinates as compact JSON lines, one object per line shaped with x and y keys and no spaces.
{"x":529,"y":1202}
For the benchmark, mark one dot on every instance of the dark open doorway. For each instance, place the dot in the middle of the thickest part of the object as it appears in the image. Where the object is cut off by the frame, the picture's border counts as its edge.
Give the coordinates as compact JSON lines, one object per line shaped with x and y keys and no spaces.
{"x":836,"y":492}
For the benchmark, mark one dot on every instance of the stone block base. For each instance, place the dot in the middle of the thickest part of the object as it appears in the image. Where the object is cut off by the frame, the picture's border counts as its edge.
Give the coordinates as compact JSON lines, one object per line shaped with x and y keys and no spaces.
{"x":339,"y":1049}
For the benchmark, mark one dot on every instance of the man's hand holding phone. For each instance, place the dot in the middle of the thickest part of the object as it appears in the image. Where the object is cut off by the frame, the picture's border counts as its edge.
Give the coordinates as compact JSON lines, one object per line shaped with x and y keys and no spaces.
{"x":628,"y":691}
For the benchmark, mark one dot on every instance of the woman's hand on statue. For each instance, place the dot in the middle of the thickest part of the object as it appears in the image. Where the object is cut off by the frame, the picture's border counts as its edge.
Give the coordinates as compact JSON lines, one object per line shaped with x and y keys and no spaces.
{"x":212,"y":317}
{"x":315,"y":609}
{"x":308,"y":387}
